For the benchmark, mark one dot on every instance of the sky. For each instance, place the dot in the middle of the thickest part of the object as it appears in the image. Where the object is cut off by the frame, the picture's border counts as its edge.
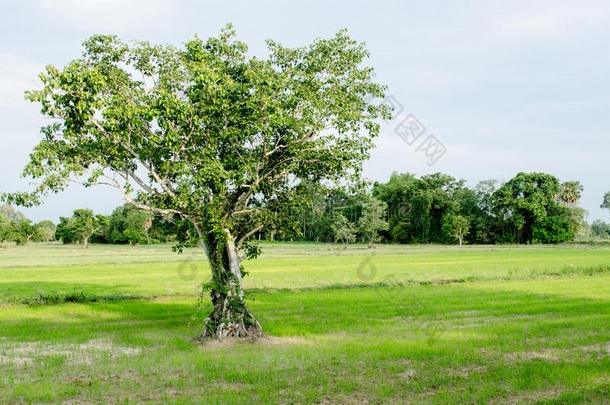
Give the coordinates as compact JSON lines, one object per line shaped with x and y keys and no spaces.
{"x":496,"y":87}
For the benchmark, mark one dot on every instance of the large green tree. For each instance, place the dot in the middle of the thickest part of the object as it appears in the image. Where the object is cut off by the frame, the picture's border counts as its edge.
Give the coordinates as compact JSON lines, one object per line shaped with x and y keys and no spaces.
{"x":417,"y":206}
{"x":533,"y":209}
{"x":209,"y":134}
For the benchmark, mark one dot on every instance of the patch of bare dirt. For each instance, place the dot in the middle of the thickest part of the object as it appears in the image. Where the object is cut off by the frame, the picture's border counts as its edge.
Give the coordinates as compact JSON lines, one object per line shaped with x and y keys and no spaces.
{"x":213,"y":344}
{"x":534,"y":396}
{"x":545,"y":355}
{"x":105,"y":345}
{"x":464,"y":372}
{"x":84,"y":353}
{"x":597,"y":348}
{"x":407,"y":375}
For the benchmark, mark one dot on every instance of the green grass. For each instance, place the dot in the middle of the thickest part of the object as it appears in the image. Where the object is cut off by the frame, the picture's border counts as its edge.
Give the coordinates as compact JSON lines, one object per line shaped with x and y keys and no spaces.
{"x":156,"y":271}
{"x":474,"y":325}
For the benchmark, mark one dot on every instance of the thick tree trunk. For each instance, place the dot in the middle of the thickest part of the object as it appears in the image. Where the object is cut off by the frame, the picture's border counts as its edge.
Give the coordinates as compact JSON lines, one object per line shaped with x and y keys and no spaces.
{"x":229,"y":317}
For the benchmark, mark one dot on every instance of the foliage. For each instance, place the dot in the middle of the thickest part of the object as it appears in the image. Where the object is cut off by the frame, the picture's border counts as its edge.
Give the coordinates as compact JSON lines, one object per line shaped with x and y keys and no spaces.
{"x":19,"y":231}
{"x":531,"y":209}
{"x":456,"y":227}
{"x":129,"y":225}
{"x":65,"y":230}
{"x":80,"y":227}
{"x":10,"y":213}
{"x":45,"y":231}
{"x":4,"y":224}
{"x":343,"y":229}
{"x":600,"y":228}
{"x":570,"y":192}
{"x":373,"y":221}
{"x":606,"y":201}
{"x":417,"y":206}
{"x":86,"y":224}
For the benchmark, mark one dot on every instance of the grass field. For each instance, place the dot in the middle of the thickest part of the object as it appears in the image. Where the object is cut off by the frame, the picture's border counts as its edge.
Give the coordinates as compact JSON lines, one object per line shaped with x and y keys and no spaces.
{"x":421,"y":324}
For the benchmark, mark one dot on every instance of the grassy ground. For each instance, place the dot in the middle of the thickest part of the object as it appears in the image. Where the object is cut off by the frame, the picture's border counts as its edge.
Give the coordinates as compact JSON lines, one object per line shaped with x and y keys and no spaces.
{"x":417,"y":324}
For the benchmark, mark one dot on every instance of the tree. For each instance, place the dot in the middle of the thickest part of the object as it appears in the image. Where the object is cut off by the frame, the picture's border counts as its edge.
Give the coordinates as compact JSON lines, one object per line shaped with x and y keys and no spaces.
{"x":530,"y":204}
{"x":86,"y":224}
{"x":45,"y":231}
{"x":606,"y":201}
{"x":21,"y":232}
{"x":129,"y":225}
{"x":343,"y":229}
{"x":65,"y":230}
{"x":208,"y":134}
{"x":4,"y":227}
{"x":457,"y":227}
{"x":571,"y":191}
{"x":372,"y":221}
{"x":600,"y":228}
{"x":417,"y":206}
{"x":11,"y":213}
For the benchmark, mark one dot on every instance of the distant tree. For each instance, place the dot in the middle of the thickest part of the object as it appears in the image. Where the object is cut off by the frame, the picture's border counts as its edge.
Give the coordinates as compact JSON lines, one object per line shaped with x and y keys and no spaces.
{"x":4,"y":227}
{"x":65,"y":230}
{"x":127,"y":224}
{"x":417,"y":206}
{"x":20,"y":232}
{"x":11,"y":213}
{"x":343,"y":229}
{"x":488,"y":186}
{"x":529,"y":206}
{"x":373,"y":221}
{"x":86,"y":224}
{"x":600,"y":228}
{"x":560,"y":224}
{"x":45,"y":231}
{"x":456,"y":226}
{"x":571,"y":191}
{"x":606,"y":201}
{"x":137,"y":224}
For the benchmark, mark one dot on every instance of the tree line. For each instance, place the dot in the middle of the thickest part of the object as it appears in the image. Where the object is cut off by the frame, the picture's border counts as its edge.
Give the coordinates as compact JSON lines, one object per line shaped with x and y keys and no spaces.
{"x":437,"y":208}
{"x":434,"y":208}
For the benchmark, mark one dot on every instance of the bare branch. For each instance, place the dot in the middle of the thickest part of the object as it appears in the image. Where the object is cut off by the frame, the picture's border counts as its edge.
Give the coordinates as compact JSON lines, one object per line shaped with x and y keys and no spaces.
{"x":247,"y":235}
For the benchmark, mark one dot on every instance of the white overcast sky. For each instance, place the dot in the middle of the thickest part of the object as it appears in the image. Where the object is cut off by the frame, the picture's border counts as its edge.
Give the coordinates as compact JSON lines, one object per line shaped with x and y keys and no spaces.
{"x":506,"y":86}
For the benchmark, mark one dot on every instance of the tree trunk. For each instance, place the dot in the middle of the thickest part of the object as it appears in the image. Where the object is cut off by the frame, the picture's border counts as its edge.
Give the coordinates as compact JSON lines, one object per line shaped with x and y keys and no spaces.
{"x":85,"y":242}
{"x":229,"y":317}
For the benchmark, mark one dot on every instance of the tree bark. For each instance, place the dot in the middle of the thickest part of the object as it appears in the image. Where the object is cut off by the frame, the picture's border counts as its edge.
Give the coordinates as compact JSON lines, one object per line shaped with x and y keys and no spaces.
{"x":230,"y":316}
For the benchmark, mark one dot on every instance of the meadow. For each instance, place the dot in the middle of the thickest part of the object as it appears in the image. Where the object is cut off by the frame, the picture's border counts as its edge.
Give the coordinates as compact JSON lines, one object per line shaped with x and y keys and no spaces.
{"x":395,"y":324}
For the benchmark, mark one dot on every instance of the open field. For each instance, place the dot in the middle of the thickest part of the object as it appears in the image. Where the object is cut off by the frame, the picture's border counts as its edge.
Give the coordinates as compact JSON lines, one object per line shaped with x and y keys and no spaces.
{"x":423,"y":324}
